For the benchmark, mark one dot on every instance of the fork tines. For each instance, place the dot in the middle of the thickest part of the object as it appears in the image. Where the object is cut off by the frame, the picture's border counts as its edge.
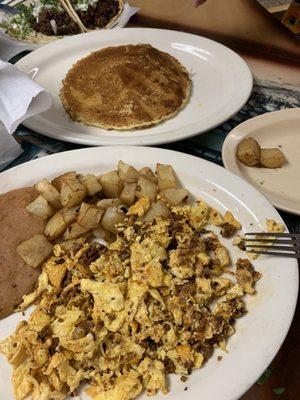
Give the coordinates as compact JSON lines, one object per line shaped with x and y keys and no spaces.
{"x":268,"y":243}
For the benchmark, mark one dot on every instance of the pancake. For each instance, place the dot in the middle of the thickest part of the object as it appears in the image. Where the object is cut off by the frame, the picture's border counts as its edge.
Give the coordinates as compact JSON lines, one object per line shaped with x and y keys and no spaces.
{"x":16,"y":225}
{"x":125,"y":87}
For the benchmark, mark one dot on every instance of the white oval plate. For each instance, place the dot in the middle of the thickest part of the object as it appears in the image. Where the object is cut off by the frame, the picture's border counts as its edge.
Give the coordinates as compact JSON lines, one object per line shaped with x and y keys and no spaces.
{"x":222,"y":83}
{"x":260,"y":333}
{"x":280,"y":128}
{"x":120,"y":22}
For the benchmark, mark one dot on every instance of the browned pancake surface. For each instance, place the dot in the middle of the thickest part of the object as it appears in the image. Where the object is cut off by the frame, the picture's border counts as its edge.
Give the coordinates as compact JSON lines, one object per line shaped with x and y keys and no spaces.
{"x":16,"y":225}
{"x":125,"y":87}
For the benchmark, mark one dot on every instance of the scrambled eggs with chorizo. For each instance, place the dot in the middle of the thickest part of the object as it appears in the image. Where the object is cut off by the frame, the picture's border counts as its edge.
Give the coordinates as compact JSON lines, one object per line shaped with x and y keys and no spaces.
{"x":121,"y":317}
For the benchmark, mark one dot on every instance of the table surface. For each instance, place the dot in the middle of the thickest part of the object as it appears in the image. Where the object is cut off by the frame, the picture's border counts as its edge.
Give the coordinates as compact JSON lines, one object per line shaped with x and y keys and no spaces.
{"x":282,"y":378}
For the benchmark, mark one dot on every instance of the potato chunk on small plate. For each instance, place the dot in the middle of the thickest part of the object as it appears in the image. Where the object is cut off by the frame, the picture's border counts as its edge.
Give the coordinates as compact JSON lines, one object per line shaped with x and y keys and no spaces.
{"x":276,"y":130}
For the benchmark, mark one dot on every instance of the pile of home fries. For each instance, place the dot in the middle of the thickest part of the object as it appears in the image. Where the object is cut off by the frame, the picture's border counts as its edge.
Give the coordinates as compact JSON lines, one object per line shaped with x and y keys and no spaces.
{"x":76,"y":205}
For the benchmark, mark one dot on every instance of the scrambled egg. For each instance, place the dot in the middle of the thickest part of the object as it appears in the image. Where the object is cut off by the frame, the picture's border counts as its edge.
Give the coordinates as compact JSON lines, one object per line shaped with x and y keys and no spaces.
{"x":273,"y":226}
{"x":122,"y":317}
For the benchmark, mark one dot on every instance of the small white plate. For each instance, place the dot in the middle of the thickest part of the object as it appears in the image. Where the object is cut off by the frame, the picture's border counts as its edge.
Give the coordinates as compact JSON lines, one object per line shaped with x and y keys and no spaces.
{"x":221,"y":84}
{"x":260,"y":333}
{"x":276,"y":129}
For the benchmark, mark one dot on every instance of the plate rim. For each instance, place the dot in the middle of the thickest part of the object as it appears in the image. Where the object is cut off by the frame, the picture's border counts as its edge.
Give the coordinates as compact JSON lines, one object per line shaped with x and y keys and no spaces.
{"x":230,"y":162}
{"x":210,"y":166}
{"x":38,"y":126}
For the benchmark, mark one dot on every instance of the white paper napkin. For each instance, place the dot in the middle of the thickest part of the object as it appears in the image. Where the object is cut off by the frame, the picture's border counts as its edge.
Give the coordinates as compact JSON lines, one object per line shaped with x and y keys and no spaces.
{"x":9,"y":148}
{"x":20,"y":98}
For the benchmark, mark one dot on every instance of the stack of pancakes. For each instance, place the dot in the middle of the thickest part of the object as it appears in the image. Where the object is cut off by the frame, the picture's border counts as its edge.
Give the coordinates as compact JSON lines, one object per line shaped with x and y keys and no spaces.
{"x":125,"y":87}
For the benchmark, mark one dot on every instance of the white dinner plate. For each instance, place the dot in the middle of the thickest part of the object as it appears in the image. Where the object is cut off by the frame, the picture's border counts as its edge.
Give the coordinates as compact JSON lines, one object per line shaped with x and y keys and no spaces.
{"x":260,"y":333}
{"x":276,"y":129}
{"x":221,"y":82}
{"x":120,"y":22}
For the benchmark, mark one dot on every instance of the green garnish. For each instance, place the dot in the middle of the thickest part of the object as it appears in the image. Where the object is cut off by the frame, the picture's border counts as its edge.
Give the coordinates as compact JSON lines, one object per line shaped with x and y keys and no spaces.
{"x":279,"y":390}
{"x":18,"y":25}
{"x":54,"y":4}
{"x":265,"y":376}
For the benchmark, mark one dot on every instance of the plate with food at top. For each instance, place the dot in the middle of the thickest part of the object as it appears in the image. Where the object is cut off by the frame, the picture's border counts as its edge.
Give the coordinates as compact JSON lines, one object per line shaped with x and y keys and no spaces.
{"x":123,"y":274}
{"x":136,"y":86}
{"x":37,"y":22}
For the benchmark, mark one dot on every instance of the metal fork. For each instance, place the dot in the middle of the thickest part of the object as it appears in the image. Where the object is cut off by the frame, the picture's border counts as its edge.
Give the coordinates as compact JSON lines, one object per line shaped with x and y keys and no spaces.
{"x":273,"y":244}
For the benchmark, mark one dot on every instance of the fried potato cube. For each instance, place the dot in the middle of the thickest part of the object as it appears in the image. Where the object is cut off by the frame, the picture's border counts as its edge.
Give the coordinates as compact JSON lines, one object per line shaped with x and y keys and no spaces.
{"x":112,"y":184}
{"x":68,"y":244}
{"x":99,"y":232}
{"x":112,"y":217}
{"x":55,"y":226}
{"x":248,"y":152}
{"x":74,"y":230}
{"x":40,"y":207}
{"x":57,"y":182}
{"x":69,"y":215}
{"x":146,"y":188}
{"x":89,"y":216}
{"x":127,"y":173}
{"x":174,"y":196}
{"x":105,"y":203}
{"x":72,"y":192}
{"x":91,"y":183}
{"x":127,"y":195}
{"x":271,"y":158}
{"x":50,"y":193}
{"x":35,"y":250}
{"x":156,"y":210}
{"x":165,"y":176}
{"x":149,"y":174}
